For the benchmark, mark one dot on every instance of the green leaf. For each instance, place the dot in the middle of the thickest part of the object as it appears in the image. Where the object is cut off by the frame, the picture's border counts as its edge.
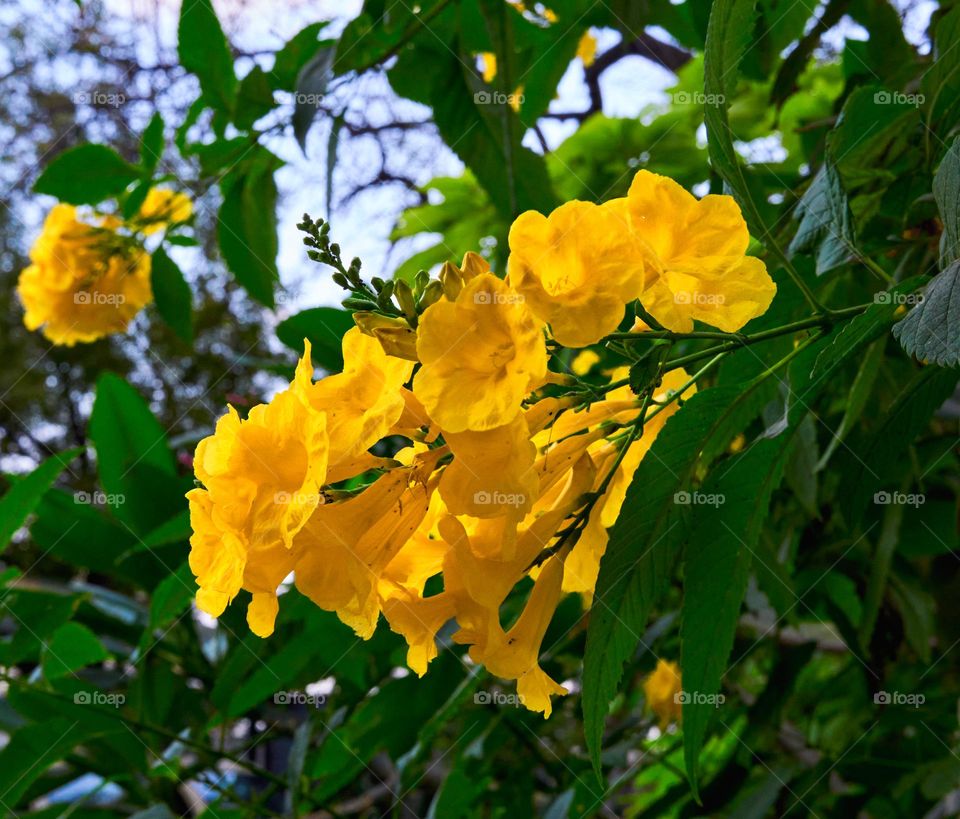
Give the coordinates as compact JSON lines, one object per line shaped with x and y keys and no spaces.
{"x":23,"y":497}
{"x":86,"y":175}
{"x":312,"y":83}
{"x":172,"y":295}
{"x":484,"y":132}
{"x":645,"y":541}
{"x":72,"y":646}
{"x":254,"y":99}
{"x":135,"y":464}
{"x":324,"y":327}
{"x":297,"y":52}
{"x":870,"y":458}
{"x":860,"y":392}
{"x":31,"y":750}
{"x":716,"y":569}
{"x":946,"y":189}
{"x":728,"y":34}
{"x":204,"y":51}
{"x":931,"y":330}
{"x":826,"y":224}
{"x":171,"y":598}
{"x":247,"y":229}
{"x":151,"y":143}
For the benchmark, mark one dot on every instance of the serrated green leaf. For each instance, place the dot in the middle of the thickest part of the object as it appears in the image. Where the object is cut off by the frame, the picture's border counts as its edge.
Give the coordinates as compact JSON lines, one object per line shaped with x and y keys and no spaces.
{"x":826,"y":224}
{"x":644,"y":543}
{"x":931,"y":330}
{"x":716,"y":569}
{"x":946,"y":190}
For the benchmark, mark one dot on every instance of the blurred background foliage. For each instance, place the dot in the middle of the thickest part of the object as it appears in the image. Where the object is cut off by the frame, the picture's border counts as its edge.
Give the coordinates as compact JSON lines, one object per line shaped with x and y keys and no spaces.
{"x":840,"y":691}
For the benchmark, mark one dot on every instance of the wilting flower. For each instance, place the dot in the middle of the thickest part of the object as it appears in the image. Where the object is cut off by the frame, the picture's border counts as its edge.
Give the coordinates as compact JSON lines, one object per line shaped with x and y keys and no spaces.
{"x":696,"y":262}
{"x":662,"y":690}
{"x":577,"y":268}
{"x":164,"y":207}
{"x":261,"y":482}
{"x":481,"y":355}
{"x":84,"y":281}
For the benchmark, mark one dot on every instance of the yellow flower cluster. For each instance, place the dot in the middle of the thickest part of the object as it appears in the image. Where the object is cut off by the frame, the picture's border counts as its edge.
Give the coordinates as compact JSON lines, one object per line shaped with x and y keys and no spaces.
{"x":86,"y":279}
{"x":503,"y":476}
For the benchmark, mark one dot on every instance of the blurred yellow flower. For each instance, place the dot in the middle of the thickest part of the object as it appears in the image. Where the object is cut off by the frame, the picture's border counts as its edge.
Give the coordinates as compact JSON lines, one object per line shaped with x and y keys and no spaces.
{"x":84,"y":281}
{"x":261,"y":482}
{"x":697,"y":267}
{"x":587,"y":49}
{"x":662,"y":691}
{"x":163,"y":207}
{"x":489,"y":60}
{"x":577,"y":268}
{"x":481,"y":355}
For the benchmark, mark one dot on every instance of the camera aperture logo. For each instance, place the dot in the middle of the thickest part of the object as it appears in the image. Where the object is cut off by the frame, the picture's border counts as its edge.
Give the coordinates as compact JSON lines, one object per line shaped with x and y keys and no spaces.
{"x":99,"y":698}
{"x":713,"y":499}
{"x":899,"y":499}
{"x":698,"y":698}
{"x":493,"y":297}
{"x":96,"y":298}
{"x":497,"y":698}
{"x":495,"y":498}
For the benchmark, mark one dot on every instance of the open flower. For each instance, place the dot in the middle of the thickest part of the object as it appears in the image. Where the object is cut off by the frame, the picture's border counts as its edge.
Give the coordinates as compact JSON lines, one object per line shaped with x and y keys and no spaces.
{"x":696,"y":263}
{"x":84,"y":281}
{"x":481,"y":355}
{"x":361,"y":403}
{"x":261,"y":482}
{"x":577,"y":268}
